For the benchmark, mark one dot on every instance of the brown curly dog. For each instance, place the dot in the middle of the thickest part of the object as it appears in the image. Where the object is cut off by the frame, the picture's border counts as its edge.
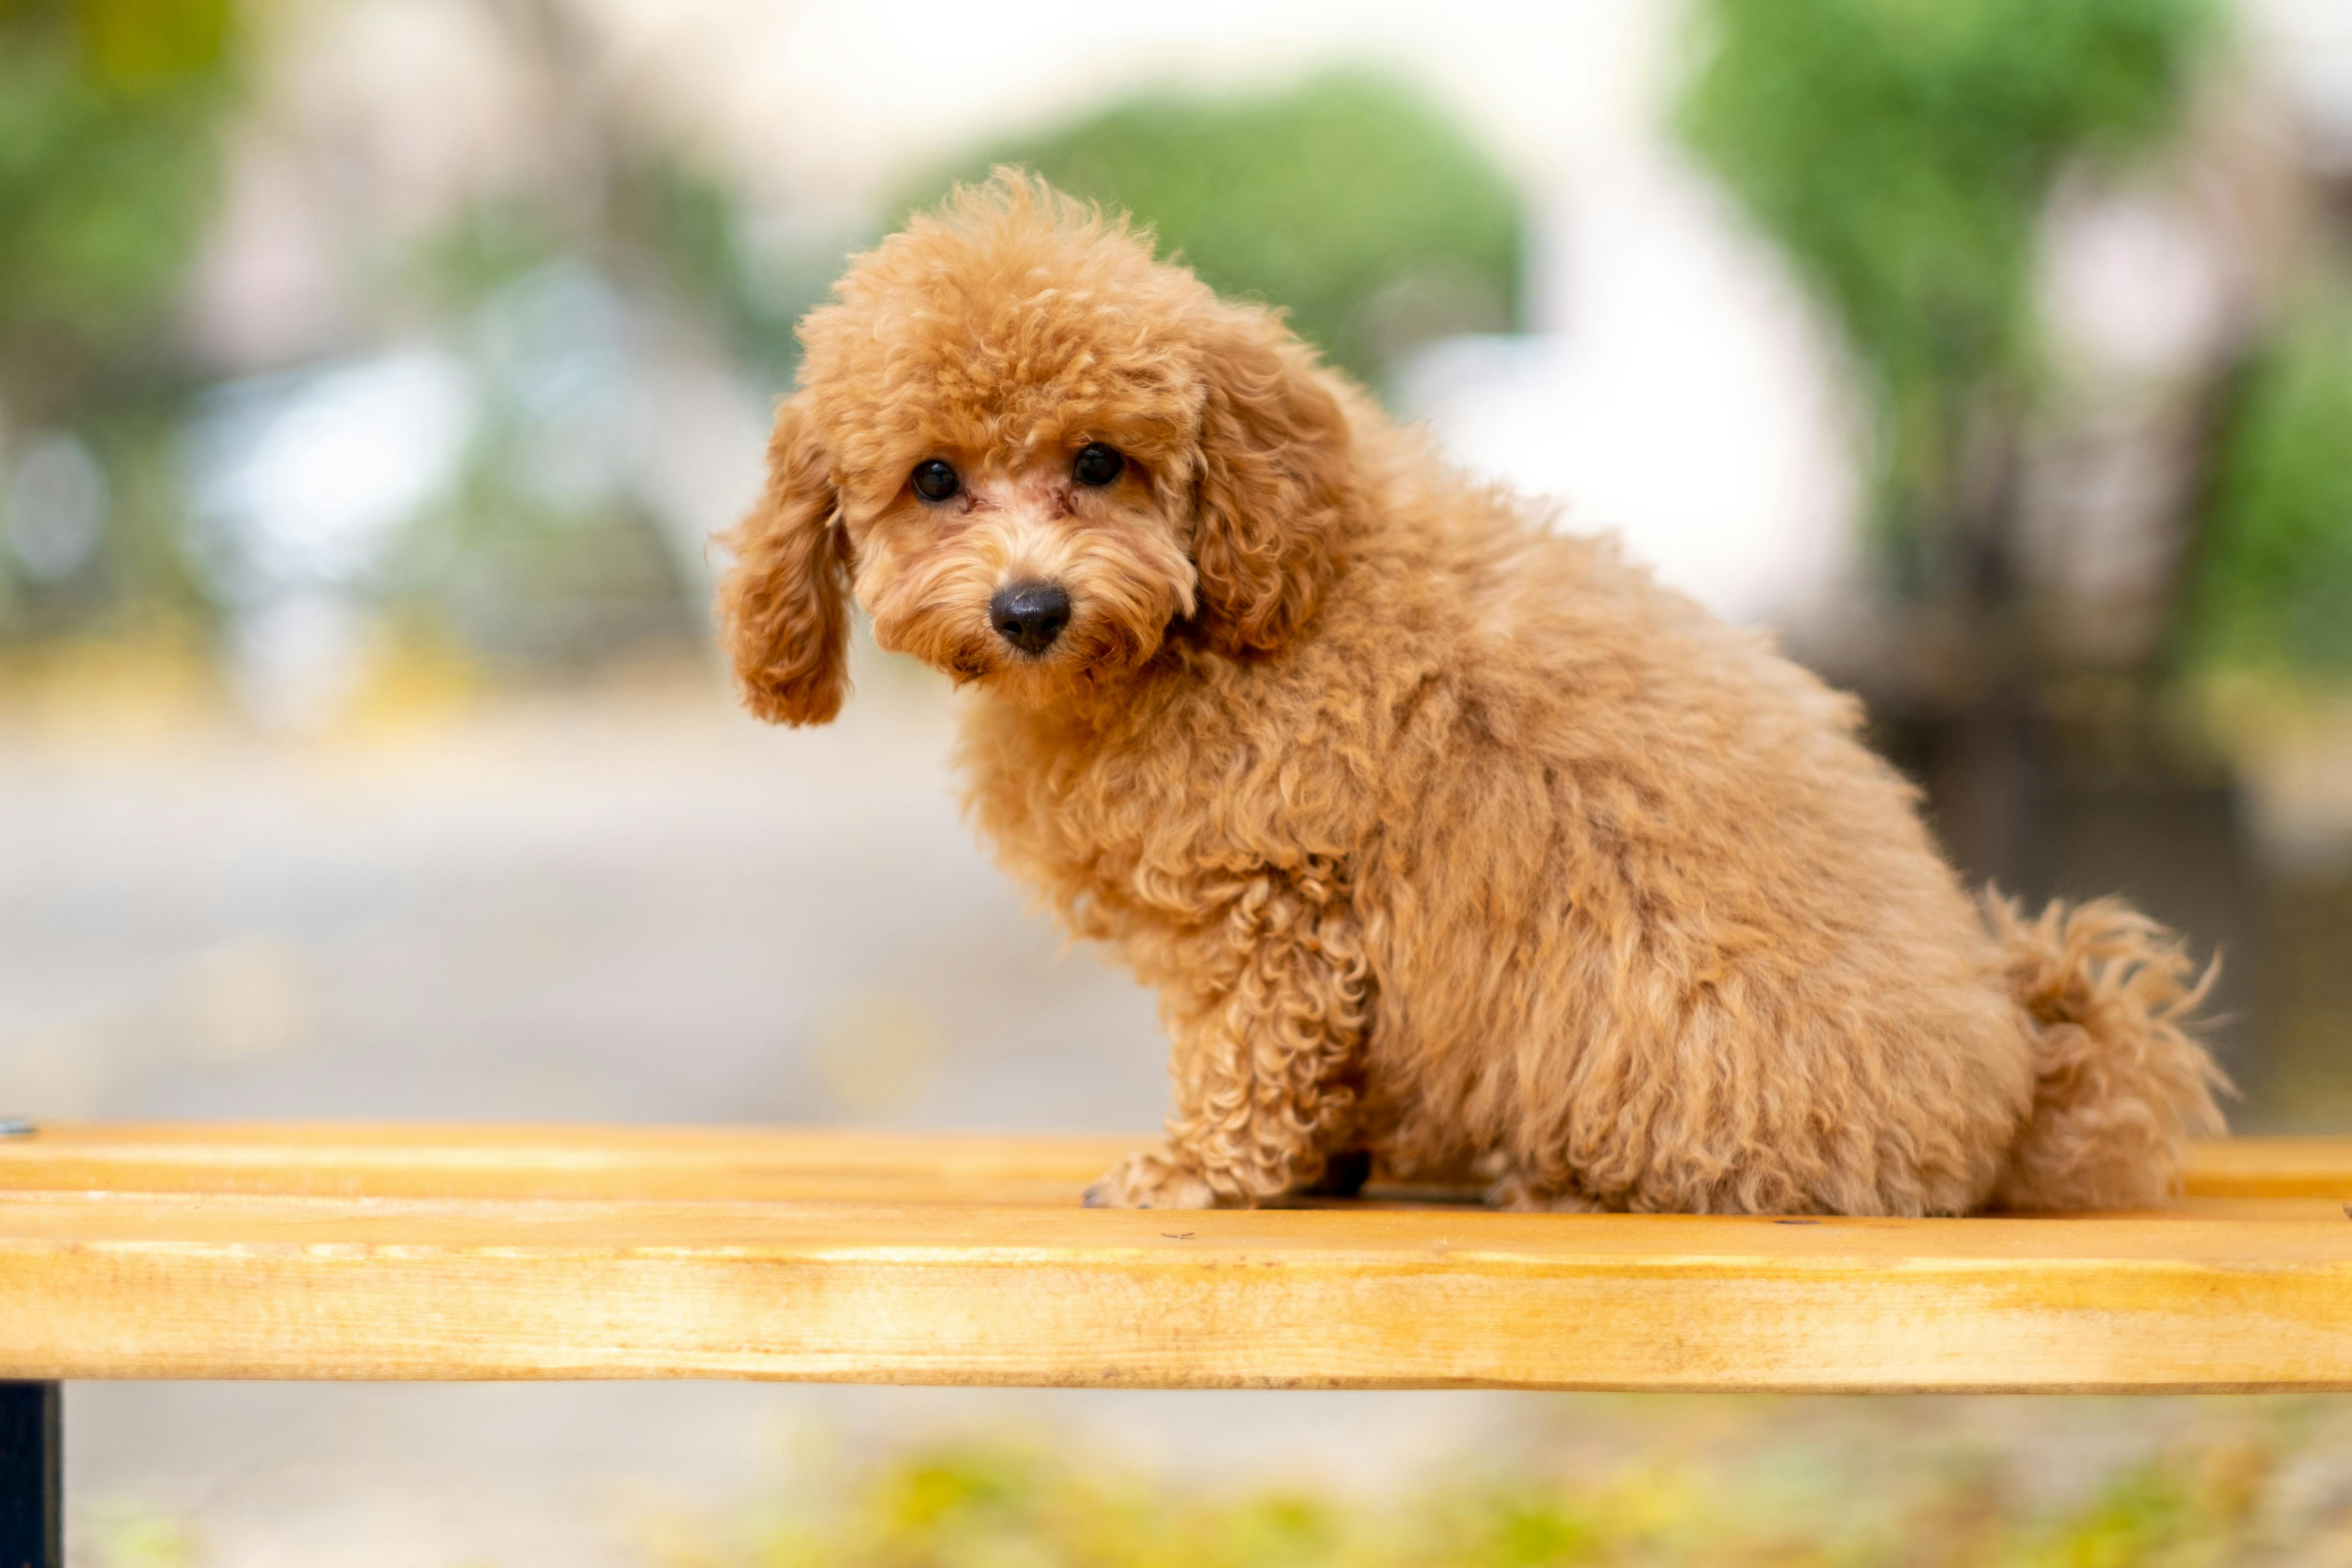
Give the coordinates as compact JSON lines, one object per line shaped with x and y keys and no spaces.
{"x":1446,"y":837}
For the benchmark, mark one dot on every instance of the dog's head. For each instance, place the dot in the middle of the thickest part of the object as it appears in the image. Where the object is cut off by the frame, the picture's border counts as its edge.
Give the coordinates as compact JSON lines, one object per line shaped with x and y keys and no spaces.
{"x":1035,"y":455}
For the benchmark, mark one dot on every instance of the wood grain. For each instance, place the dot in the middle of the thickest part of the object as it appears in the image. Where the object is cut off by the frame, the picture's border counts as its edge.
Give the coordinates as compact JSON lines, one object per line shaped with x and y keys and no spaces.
{"x":375,"y":1252}
{"x":419,"y":1160}
{"x":492,"y":1160}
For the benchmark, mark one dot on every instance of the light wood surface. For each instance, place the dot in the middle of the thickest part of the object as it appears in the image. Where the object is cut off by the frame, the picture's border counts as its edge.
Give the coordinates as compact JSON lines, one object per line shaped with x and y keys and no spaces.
{"x":490,"y":1161}
{"x":494,"y":1252}
{"x":385,"y":1159}
{"x":2273,"y":1168}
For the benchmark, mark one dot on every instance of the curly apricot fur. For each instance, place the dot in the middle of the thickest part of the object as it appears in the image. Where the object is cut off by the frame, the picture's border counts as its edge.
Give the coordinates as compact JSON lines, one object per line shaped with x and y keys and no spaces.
{"x":1445,"y":834}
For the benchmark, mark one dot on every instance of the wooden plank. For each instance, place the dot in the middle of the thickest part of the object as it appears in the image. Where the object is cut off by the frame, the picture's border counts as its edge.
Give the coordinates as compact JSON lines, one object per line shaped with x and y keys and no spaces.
{"x":420,"y":1160}
{"x":374,"y":1251}
{"x":426,"y":1160}
{"x":2216,"y":1295}
{"x":2272,"y":1167}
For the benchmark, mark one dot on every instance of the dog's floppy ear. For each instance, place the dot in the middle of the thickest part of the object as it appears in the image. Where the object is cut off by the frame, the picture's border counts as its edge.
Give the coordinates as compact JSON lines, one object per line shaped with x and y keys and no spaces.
{"x":1273,"y":485}
{"x":783,"y":611}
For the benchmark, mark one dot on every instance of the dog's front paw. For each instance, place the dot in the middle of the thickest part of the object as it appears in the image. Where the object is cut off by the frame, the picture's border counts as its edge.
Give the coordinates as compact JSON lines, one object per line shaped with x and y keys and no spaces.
{"x":1150,"y":1180}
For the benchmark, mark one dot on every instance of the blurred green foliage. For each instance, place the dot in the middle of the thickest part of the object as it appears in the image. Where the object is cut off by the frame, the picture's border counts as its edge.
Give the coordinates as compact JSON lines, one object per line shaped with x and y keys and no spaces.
{"x":698,"y":244}
{"x":2275,"y":592}
{"x":1349,"y":201}
{"x":109,"y":167}
{"x":1902,"y":152}
{"x":516,"y":571}
{"x":992,"y":1505}
{"x":147,"y":44}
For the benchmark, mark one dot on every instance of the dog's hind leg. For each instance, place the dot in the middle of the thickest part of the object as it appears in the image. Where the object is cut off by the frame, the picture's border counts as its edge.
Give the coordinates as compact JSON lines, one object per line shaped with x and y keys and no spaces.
{"x":1267,"y":1003}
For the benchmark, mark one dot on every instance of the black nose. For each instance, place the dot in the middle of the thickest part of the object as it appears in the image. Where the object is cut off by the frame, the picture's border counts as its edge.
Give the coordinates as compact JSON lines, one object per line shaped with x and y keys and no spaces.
{"x":1030,"y":615}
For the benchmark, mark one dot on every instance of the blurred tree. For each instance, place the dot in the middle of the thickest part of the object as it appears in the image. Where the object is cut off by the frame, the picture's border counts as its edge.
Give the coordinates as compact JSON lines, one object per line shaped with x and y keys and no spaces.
{"x":1904,"y":153}
{"x":565,"y":294}
{"x":547,"y":292}
{"x":109,"y":163}
{"x":1349,"y":201}
{"x":696,"y":235}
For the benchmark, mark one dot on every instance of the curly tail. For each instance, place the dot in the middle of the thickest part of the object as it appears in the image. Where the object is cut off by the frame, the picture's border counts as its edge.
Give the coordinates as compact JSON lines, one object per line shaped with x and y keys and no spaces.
{"x":2121,"y":1084}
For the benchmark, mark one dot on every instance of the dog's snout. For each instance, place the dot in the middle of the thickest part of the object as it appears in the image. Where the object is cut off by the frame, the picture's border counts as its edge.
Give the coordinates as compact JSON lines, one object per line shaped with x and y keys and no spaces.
{"x":1030,"y":615}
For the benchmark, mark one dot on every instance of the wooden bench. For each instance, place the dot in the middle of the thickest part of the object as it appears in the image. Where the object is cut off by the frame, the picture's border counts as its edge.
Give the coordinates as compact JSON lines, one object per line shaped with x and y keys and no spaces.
{"x":185,"y":1251}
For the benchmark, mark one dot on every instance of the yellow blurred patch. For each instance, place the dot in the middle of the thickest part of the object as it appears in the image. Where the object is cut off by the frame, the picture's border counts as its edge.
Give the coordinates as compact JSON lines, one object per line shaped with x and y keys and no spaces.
{"x":156,"y":681}
{"x":143,"y":42}
{"x":409,"y":682}
{"x":131,"y":1535}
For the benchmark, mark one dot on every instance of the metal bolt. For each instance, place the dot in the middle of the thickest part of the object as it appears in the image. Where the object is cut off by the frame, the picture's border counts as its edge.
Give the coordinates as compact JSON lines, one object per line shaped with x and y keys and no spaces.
{"x":16,"y":1127}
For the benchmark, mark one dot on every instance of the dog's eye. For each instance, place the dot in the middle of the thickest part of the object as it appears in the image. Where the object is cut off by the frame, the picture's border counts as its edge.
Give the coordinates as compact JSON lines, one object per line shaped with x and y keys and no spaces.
{"x":934,"y":480}
{"x":1097,"y":465}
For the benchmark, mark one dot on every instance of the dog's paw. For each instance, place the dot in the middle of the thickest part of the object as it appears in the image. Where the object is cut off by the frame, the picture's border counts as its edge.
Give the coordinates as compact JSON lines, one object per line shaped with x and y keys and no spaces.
{"x":1150,"y":1180}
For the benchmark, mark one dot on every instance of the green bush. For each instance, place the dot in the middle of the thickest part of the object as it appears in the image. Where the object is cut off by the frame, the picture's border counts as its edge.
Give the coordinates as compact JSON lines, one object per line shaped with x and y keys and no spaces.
{"x":1787,"y":1504}
{"x":2275,"y":592}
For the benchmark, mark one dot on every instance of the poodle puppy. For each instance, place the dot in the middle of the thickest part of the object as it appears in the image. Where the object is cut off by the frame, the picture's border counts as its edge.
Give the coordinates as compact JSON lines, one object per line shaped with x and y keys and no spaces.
{"x":1448,"y":840}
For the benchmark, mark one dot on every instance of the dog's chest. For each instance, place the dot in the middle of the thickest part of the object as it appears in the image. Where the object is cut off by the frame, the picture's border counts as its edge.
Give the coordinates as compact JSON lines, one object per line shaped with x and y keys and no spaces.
{"x":1052,"y":809}
{"x":1112,"y":829}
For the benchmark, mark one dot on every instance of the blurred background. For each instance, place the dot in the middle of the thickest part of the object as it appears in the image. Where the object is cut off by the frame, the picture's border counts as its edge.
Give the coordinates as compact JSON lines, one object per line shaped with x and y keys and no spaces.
{"x":373,"y":372}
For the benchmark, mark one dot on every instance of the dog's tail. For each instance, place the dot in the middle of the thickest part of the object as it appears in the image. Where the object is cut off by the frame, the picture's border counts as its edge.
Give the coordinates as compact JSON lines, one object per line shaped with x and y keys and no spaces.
{"x":2121,"y":1084}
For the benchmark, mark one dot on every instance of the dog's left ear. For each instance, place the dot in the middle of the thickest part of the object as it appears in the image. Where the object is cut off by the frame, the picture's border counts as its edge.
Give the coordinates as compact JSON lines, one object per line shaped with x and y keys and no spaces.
{"x":1273,"y":484}
{"x":784,"y":606}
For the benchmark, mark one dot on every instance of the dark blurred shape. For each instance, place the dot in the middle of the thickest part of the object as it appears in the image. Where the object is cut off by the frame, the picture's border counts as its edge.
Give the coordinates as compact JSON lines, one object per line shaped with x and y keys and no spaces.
{"x":1349,"y":201}
{"x":2302,"y":996}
